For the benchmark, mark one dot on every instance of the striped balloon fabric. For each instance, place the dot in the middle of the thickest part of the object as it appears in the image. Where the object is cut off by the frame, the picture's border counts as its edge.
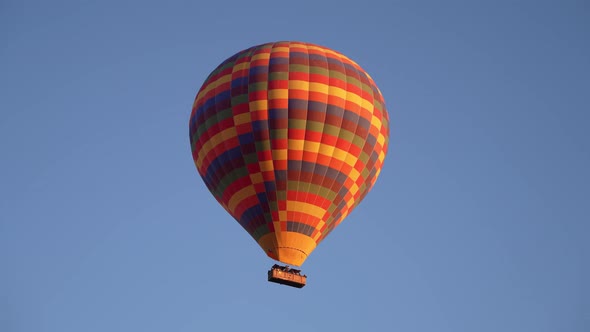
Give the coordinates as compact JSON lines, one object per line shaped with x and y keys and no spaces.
{"x":289,"y":137}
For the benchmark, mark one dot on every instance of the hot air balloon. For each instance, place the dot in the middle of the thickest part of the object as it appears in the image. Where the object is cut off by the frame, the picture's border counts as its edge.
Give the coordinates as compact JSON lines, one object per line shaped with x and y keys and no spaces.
{"x":289,"y":137}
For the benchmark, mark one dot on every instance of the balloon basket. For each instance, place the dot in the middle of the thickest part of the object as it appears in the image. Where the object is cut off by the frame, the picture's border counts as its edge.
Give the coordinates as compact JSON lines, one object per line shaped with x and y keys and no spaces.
{"x":285,"y":275}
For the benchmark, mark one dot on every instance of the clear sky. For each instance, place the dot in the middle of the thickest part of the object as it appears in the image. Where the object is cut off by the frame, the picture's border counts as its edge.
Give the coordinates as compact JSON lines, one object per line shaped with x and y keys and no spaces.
{"x":479,"y":221}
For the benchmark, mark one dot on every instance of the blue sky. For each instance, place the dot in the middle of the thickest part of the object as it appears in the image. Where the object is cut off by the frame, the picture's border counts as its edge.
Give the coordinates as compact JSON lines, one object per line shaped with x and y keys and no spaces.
{"x":479,"y":221}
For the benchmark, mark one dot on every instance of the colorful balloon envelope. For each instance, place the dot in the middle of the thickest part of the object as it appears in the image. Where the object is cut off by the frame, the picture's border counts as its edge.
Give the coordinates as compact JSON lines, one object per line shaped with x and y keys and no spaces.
{"x":289,"y":137}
